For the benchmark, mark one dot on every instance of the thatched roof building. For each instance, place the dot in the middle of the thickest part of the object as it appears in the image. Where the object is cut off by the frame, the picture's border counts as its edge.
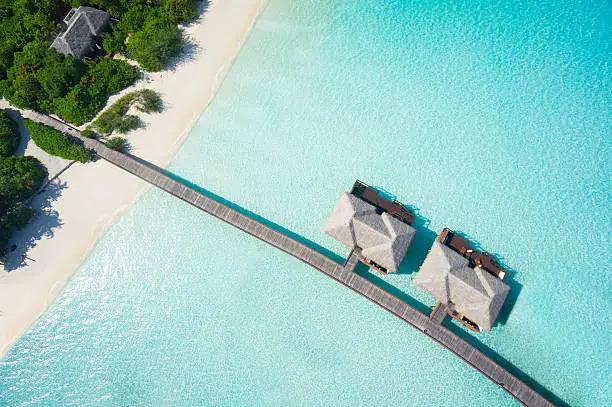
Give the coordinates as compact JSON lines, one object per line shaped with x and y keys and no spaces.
{"x":84,"y":26}
{"x":381,"y":237}
{"x":472,"y":292}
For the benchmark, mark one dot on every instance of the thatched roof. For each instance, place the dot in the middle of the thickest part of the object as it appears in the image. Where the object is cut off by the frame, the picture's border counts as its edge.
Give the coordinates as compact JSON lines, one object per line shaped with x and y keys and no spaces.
{"x":475,"y":293}
{"x":84,"y":25}
{"x":381,"y":237}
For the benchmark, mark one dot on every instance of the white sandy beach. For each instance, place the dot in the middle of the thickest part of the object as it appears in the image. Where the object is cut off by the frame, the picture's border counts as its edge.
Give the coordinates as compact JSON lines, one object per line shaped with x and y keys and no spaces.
{"x":88,"y":198}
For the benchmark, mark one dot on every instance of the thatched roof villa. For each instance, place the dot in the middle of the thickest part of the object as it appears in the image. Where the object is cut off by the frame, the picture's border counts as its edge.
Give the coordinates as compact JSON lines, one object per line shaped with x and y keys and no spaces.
{"x":467,"y":289}
{"x":380,"y":238}
{"x":84,"y":26}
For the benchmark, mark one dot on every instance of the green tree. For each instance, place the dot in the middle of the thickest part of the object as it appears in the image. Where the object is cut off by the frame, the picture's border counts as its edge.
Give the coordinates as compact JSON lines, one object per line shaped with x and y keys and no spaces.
{"x":81,"y":104}
{"x":112,"y":74}
{"x":20,"y":177}
{"x":118,"y":144}
{"x":180,"y":11}
{"x":155,"y":44}
{"x":9,"y":135}
{"x":59,"y":73}
{"x":56,"y":143}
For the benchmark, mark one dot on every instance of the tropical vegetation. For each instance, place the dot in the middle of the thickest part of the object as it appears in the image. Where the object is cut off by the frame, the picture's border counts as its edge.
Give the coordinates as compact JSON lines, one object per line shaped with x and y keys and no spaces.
{"x":116,"y":119}
{"x":20,"y":179}
{"x":118,"y":144}
{"x":55,"y":143}
{"x":34,"y":76}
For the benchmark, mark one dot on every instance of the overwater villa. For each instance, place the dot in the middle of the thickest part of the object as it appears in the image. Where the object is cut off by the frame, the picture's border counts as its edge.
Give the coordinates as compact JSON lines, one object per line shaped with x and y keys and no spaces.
{"x":84,"y":27}
{"x":467,"y":282}
{"x":379,"y":230}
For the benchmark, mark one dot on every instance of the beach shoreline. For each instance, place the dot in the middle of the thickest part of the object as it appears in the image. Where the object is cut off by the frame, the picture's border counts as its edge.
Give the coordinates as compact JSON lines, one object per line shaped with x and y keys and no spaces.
{"x":85,"y":200}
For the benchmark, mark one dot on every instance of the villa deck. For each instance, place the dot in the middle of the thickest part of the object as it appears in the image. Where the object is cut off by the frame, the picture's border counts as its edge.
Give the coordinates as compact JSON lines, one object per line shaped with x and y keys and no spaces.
{"x":372,"y":196}
{"x":341,"y":273}
{"x":476,"y":258}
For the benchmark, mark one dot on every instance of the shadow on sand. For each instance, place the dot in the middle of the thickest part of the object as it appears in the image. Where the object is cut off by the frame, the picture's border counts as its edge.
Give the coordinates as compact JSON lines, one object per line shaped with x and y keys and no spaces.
{"x":42,"y":226}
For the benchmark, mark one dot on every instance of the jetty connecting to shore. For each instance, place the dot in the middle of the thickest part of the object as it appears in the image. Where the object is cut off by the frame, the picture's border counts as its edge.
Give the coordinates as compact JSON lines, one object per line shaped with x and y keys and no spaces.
{"x":342,"y":273}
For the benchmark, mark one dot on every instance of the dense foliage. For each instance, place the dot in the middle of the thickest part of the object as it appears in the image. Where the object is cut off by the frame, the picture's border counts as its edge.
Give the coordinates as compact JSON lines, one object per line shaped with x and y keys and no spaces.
{"x":23,"y":21}
{"x":158,"y":41}
{"x":38,"y":75}
{"x":151,"y":26}
{"x":85,"y":100}
{"x":9,"y":135}
{"x":116,"y":118}
{"x":55,"y":143}
{"x":118,"y":144}
{"x":33,"y":76}
{"x":41,"y":79}
{"x":20,"y":178}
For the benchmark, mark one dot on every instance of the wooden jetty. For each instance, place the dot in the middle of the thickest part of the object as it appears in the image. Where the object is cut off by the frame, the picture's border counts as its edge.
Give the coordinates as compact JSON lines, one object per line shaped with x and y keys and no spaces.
{"x":439,"y":313}
{"x":341,"y":273}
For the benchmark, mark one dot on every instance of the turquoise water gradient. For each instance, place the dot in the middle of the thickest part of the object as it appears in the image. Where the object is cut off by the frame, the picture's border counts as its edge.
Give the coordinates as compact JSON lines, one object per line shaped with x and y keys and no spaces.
{"x":493,"y":118}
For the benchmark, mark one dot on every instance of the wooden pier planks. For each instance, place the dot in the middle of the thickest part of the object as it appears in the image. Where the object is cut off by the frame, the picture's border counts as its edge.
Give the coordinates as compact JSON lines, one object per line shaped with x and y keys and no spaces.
{"x":351,"y":261}
{"x":439,"y":313}
{"x":343,"y":274}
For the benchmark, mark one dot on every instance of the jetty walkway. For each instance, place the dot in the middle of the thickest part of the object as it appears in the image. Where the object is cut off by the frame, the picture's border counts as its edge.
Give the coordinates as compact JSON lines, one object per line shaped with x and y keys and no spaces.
{"x":343,"y":273}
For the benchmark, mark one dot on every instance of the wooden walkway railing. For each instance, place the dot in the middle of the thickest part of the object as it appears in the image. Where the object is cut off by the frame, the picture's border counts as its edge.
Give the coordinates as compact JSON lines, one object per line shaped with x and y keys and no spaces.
{"x":342,"y":273}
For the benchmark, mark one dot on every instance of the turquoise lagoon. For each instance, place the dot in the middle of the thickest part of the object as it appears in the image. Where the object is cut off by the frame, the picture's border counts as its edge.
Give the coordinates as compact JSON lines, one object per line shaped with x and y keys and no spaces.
{"x":492,"y":118}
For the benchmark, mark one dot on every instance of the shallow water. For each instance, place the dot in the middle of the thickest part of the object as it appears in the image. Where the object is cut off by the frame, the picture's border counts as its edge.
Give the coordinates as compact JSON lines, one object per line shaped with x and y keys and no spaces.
{"x":491,"y":118}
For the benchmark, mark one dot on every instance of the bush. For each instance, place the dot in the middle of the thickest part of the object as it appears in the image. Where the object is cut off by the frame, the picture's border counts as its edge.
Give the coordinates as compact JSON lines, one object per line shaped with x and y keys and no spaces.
{"x":89,"y":133}
{"x":81,"y":104}
{"x":134,"y":19}
{"x":128,"y":123}
{"x":155,"y":44}
{"x":26,"y":93}
{"x":118,"y":144}
{"x":115,"y":42}
{"x":59,"y":74}
{"x":9,"y":135}
{"x":110,"y":121}
{"x":13,"y":218}
{"x":147,"y":101}
{"x":55,"y":143}
{"x":112,"y":74}
{"x":84,"y":101}
{"x":181,"y":10}
{"x":20,"y":177}
{"x":115,"y":119}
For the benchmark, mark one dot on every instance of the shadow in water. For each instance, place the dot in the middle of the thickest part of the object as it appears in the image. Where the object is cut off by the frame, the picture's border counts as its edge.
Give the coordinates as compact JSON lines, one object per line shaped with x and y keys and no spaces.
{"x":500,"y":360}
{"x":415,"y":259}
{"x":423,"y":241}
{"x":372,"y":276}
{"x":515,"y":286}
{"x":252,"y":215}
{"x":415,"y":256}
